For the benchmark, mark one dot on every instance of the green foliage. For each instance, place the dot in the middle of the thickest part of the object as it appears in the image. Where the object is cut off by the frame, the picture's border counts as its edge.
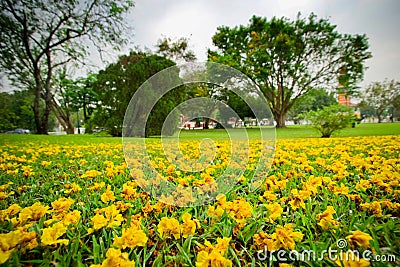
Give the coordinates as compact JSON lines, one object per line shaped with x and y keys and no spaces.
{"x":175,"y":50}
{"x":330,"y":119}
{"x":40,"y":37}
{"x":382,"y":95}
{"x":366,"y":110}
{"x":312,"y":100}
{"x":16,"y":110}
{"x":286,"y":59}
{"x":75,"y":96}
{"x":8,"y":115}
{"x":116,"y":85}
{"x":396,"y":107}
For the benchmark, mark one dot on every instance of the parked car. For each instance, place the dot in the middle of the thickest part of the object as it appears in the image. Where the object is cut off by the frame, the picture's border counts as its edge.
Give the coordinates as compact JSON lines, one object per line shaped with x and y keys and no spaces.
{"x":19,"y":131}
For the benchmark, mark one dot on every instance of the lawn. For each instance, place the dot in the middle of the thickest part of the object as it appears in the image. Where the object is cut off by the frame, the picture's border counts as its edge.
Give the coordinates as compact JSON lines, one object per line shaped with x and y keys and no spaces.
{"x":364,"y":129}
{"x":72,"y":201}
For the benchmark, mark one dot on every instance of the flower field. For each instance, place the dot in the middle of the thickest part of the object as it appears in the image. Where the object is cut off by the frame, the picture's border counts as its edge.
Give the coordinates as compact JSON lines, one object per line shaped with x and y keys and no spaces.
{"x":77,"y":204}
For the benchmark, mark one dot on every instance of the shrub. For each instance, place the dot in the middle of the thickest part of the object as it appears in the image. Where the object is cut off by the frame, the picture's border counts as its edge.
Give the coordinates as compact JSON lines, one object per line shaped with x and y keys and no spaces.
{"x":330,"y":119}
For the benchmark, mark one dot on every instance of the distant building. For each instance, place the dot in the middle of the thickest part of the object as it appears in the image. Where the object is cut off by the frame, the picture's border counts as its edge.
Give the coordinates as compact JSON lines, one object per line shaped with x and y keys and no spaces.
{"x":344,"y":100}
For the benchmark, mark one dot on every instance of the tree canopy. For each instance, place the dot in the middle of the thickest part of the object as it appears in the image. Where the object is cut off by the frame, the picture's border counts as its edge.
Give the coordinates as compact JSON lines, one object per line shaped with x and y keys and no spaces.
{"x":286,"y":59}
{"x":37,"y":37}
{"x":116,"y":85}
{"x":382,"y":96}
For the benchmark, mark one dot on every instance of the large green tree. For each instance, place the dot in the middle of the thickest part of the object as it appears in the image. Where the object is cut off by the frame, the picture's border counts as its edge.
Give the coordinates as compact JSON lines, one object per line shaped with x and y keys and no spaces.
{"x":37,"y":37}
{"x":116,"y":85}
{"x":286,"y":59}
{"x":382,"y":96}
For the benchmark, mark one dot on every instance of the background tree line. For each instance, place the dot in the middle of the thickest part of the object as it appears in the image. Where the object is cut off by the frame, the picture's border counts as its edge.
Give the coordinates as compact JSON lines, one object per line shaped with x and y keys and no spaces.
{"x":295,"y":63}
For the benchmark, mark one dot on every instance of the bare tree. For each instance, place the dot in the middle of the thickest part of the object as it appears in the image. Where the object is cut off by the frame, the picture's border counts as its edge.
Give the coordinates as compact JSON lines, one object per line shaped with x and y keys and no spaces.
{"x":40,"y":36}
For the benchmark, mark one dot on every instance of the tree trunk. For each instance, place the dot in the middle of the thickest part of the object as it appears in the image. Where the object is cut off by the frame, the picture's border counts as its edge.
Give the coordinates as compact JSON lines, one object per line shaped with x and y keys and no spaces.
{"x":280,"y":120}
{"x":46,"y":114}
{"x":63,"y":117}
{"x":85,"y":115}
{"x":36,"y":113}
{"x":206,"y":123}
{"x":36,"y":103}
{"x":70,"y":128}
{"x":379,"y":116}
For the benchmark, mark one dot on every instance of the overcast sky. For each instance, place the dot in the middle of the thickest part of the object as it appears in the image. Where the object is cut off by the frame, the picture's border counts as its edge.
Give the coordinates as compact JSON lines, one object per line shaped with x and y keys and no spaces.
{"x":199,"y":19}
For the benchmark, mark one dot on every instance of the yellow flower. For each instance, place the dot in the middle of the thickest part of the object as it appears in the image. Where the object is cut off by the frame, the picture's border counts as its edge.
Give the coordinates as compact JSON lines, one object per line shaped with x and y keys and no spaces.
{"x":27,"y":171}
{"x":205,"y":259}
{"x":349,"y":259}
{"x":5,"y":255}
{"x":123,"y":206}
{"x":214,"y":255}
{"x":238,"y":209}
{"x":3,"y":195}
{"x":10,"y":211}
{"x":99,"y":221}
{"x":215,"y":212}
{"x":115,"y":258}
{"x":91,"y":174}
{"x":169,"y":226}
{"x":342,"y":189}
{"x":131,"y":238}
{"x":113,"y":216}
{"x":71,"y":188}
{"x":50,"y":235}
{"x":297,"y":200}
{"x":188,"y":225}
{"x":326,"y":219}
{"x":72,"y":217}
{"x":363,"y":185}
{"x":269,"y":196}
{"x":46,"y":163}
{"x":285,"y":237}
{"x":275,"y":211}
{"x":374,"y":207}
{"x":264,"y":241}
{"x":359,"y":238}
{"x":62,"y":204}
{"x":9,"y":240}
{"x":108,"y":216}
{"x":34,"y":212}
{"x":97,"y":186}
{"x":222,"y":244}
{"x":108,"y":195}
{"x":128,"y":192}
{"x":23,"y":188}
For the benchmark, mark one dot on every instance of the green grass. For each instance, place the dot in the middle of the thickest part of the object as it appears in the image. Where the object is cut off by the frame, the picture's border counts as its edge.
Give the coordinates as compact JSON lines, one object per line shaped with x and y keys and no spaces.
{"x":55,"y":163}
{"x":295,"y":131}
{"x":364,"y":129}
